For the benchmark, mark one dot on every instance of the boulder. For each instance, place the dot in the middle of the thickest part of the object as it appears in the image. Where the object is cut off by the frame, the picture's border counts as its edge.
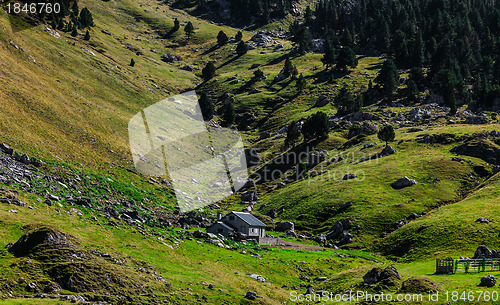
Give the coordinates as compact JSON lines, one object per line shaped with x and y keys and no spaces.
{"x":318,"y":46}
{"x":419,"y":284}
{"x":378,"y":274}
{"x":488,"y":281}
{"x":281,"y":76}
{"x":482,"y":252}
{"x":344,"y":206}
{"x":322,"y":101}
{"x":387,"y":151}
{"x":251,"y":296}
{"x":272,"y":213}
{"x":252,"y":158}
{"x":283,"y":226}
{"x":262,"y":38}
{"x":258,"y":277}
{"x":6,"y":149}
{"x":249,"y":196}
{"x":476,"y":120}
{"x":187,"y":68}
{"x":483,"y":220}
{"x":349,"y":176}
{"x":316,"y":157}
{"x":417,"y":114}
{"x":403,"y":182}
{"x":169,"y":58}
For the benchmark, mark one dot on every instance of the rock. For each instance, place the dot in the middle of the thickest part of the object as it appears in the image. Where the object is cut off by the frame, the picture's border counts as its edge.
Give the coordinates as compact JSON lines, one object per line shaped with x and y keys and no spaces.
{"x":254,"y":91}
{"x":419,"y":284}
{"x":6,"y":149}
{"x":322,"y":101}
{"x":264,"y":135}
{"x":387,"y":151}
{"x":483,"y":220}
{"x":479,"y":148}
{"x":482,"y":252}
{"x":339,"y":232}
{"x":84,"y":202}
{"x":281,"y":76}
{"x":309,"y":291}
{"x":285,"y":226}
{"x":417,"y":114}
{"x":378,"y":274}
{"x":258,"y":277}
{"x":403,"y":182}
{"x":457,"y":159}
{"x":169,"y":58}
{"x":412,"y":216}
{"x":53,"y":197}
{"x":415,"y":129}
{"x":349,"y":176}
{"x":251,"y":296}
{"x":272,"y":213}
{"x":369,"y":128}
{"x":476,"y":120}
{"x":316,"y":157}
{"x":106,"y":32}
{"x":43,"y":237}
{"x":344,"y":206}
{"x":320,"y":279}
{"x":187,"y":68}
{"x":262,"y":38}
{"x":488,"y":281}
{"x":318,"y":46}
{"x":199,"y":234}
{"x":252,"y":157}
{"x":255,"y":66}
{"x":291,"y":233}
{"x":320,"y":239}
{"x":249,"y":196}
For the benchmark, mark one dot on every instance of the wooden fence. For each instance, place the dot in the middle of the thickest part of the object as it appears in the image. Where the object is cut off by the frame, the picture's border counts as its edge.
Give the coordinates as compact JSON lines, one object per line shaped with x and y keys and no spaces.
{"x":450,"y":266}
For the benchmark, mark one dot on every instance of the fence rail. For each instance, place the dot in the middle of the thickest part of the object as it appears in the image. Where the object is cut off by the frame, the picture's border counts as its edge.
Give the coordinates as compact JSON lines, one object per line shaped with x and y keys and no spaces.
{"x":450,"y":266}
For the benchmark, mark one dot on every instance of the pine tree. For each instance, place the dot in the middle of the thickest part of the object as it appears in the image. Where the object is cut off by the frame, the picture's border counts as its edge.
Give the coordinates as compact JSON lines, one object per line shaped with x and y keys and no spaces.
{"x":329,"y":57}
{"x":222,"y":38}
{"x":189,"y":29}
{"x":387,"y":134}
{"x":206,"y":106}
{"x":209,"y":71}
{"x":74,"y":32}
{"x":316,"y":126}
{"x":228,"y":114}
{"x":132,"y":62}
{"x":177,"y":25}
{"x":388,"y":78}
{"x":411,"y":90}
{"x":301,"y":83}
{"x":242,"y":48}
{"x":305,"y":42}
{"x":87,"y":35}
{"x":344,"y":101}
{"x":239,"y":36}
{"x":292,"y":134}
{"x":346,"y":58}
{"x":288,"y":68}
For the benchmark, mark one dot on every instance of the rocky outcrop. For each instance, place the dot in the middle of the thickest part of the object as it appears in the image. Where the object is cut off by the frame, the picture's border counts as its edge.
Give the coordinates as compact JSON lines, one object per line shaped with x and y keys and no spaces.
{"x":403,"y":182}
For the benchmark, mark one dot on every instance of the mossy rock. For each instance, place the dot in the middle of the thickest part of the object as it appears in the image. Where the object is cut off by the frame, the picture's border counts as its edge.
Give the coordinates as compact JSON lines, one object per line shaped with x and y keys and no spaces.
{"x":40,"y":238}
{"x":74,"y":269}
{"x":480,"y":148}
{"x":420,"y":284}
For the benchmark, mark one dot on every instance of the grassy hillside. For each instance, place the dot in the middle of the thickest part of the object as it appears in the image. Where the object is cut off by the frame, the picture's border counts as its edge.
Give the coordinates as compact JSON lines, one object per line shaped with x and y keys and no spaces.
{"x":68,"y":102}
